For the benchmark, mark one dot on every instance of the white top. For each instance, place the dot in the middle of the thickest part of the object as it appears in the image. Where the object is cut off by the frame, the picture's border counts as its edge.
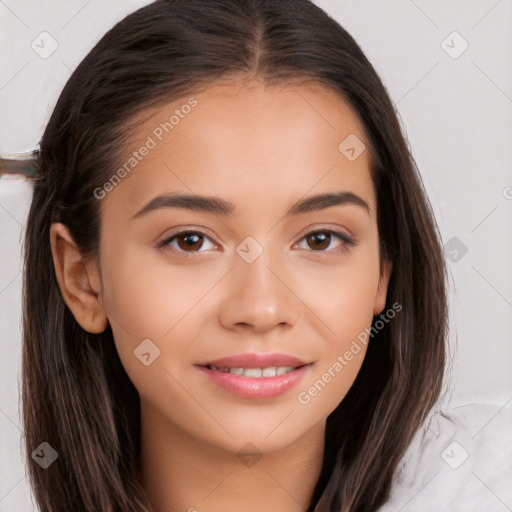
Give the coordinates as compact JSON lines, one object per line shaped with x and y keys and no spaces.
{"x":460,"y":465}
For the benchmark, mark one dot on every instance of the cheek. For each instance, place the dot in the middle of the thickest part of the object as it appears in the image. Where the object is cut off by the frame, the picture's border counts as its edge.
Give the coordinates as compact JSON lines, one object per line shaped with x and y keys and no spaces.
{"x":340,"y":357}
{"x":329,"y":385}
{"x":342,"y":294}
{"x":147,"y":297}
{"x":159,"y":302}
{"x":342,"y":298}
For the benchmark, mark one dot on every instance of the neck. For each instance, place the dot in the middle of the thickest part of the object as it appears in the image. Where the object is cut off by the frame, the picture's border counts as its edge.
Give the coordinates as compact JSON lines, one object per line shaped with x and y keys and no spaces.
{"x":181,"y":473}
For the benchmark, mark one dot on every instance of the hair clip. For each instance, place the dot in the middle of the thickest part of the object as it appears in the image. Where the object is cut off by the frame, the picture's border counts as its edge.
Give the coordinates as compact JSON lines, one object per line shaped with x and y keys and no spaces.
{"x":22,"y":165}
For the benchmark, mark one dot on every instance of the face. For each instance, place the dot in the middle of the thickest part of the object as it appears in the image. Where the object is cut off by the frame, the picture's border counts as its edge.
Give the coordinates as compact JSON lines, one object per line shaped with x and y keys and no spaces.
{"x":235,"y":311}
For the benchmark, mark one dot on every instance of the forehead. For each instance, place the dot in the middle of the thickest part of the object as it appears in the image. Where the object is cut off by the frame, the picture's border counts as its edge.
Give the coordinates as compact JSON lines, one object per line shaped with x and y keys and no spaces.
{"x":244,"y":138}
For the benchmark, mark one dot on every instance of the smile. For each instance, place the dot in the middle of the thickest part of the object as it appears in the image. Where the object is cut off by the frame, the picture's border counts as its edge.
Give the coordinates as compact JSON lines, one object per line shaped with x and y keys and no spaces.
{"x":270,"y":371}
{"x":253,"y":375}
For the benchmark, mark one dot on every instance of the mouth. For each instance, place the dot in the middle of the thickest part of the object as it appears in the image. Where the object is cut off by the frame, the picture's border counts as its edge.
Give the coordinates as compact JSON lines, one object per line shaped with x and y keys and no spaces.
{"x":256,"y":375}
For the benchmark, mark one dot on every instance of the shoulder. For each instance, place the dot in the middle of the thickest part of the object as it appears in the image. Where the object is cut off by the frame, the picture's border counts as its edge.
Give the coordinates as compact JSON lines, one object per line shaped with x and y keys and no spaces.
{"x":460,"y":460}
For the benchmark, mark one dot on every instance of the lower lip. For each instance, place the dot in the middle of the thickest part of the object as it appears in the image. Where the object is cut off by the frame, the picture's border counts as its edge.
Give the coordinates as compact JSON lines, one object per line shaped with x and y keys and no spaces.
{"x":255,"y":387}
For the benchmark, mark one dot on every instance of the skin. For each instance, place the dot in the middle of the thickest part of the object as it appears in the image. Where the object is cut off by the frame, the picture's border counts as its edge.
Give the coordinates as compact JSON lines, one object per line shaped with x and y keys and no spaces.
{"x":306,"y":298}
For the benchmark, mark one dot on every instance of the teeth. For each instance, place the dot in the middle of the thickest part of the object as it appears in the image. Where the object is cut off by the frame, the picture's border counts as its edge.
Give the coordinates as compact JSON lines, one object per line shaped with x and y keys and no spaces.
{"x":270,"y":371}
{"x":252,"y":372}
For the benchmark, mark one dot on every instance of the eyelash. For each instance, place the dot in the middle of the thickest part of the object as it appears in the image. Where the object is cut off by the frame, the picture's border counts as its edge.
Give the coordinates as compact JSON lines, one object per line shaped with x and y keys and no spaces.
{"x":348,"y":241}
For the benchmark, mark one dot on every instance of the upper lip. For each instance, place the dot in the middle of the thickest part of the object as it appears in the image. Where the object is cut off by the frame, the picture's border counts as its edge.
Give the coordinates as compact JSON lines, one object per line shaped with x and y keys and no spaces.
{"x":255,"y":360}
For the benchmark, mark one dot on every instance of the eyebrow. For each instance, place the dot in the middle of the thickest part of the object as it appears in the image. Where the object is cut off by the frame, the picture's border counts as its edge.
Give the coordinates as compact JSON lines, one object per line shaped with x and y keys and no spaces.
{"x":219,"y":206}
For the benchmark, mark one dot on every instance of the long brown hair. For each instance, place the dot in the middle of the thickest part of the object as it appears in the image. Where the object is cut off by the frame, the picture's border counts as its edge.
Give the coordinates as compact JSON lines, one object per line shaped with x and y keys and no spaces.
{"x":76,"y":394}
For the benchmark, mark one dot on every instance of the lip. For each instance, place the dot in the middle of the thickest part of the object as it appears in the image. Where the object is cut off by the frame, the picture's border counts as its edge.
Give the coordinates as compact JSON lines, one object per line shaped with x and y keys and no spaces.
{"x":256,"y":387}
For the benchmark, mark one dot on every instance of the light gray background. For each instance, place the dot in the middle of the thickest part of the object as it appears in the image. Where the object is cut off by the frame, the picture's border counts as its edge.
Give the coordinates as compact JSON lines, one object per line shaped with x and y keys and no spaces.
{"x":455,"y":112}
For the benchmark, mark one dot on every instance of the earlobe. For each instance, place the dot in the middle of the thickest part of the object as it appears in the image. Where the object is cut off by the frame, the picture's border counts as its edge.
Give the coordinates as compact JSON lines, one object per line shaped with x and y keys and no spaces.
{"x":380,"y":299}
{"x":78,"y":280}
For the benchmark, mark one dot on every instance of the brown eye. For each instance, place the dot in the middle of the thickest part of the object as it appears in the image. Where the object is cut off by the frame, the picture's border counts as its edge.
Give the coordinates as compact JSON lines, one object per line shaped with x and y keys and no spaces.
{"x":190,"y":241}
{"x":319,"y":241}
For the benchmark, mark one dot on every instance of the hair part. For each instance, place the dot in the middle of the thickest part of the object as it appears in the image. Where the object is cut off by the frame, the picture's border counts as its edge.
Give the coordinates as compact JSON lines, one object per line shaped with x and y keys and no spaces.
{"x":76,"y":394}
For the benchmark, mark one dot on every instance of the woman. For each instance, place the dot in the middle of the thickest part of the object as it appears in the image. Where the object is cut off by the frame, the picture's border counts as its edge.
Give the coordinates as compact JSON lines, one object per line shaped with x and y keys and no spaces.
{"x":301,"y":352}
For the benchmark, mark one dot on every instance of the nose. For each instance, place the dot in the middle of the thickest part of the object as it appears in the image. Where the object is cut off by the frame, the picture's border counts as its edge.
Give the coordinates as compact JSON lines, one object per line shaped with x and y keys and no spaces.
{"x":259,"y":297}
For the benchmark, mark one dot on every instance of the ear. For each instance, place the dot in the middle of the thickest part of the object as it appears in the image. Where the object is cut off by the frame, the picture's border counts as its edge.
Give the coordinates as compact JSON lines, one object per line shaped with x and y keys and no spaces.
{"x":380,"y":298}
{"x":79,"y":280}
